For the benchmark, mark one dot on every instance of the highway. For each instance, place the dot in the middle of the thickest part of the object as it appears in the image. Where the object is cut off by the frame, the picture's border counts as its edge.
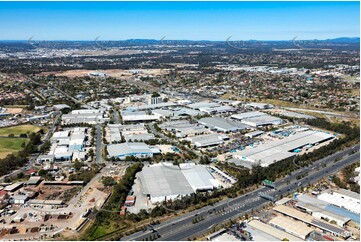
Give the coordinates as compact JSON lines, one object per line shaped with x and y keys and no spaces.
{"x":182,"y":227}
{"x":349,"y":115}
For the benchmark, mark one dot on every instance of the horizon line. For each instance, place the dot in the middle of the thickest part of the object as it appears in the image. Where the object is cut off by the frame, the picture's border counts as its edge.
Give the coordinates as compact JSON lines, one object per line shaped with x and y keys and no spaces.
{"x":165,"y":40}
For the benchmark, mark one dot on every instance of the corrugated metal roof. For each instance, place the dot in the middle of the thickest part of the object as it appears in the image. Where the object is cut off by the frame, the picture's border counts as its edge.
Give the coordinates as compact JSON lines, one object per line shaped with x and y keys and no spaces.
{"x":165,"y":179}
{"x":206,"y":140}
{"x":198,"y":176}
{"x":274,"y":151}
{"x":223,"y":124}
{"x":277,"y":233}
{"x":248,"y":115}
{"x":128,"y":149}
{"x":161,"y":181}
{"x":297,"y":228}
{"x":306,"y":218}
{"x":343,"y":212}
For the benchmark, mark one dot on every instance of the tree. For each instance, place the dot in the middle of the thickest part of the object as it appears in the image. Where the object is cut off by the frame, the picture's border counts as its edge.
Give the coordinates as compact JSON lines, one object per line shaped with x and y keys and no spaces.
{"x":77,"y":165}
{"x":108,"y":181}
{"x":204,"y":160}
{"x":155,"y":94}
{"x":91,"y":153}
{"x":35,"y":139}
{"x":20,"y":175}
{"x":45,"y":147}
{"x":42,"y":173}
{"x":23,"y":135}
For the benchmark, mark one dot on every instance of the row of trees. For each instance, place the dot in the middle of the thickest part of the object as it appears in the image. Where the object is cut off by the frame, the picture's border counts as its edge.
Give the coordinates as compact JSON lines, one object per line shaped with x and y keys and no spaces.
{"x":109,"y":214}
{"x":348,"y":181}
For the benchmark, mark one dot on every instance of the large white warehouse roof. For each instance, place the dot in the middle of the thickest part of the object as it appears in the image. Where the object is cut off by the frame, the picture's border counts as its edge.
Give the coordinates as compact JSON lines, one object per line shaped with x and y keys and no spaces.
{"x":271,"y":152}
{"x":167,"y":181}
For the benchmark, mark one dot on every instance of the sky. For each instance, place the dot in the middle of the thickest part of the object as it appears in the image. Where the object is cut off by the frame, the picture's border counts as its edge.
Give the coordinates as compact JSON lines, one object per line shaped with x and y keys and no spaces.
{"x":178,"y":20}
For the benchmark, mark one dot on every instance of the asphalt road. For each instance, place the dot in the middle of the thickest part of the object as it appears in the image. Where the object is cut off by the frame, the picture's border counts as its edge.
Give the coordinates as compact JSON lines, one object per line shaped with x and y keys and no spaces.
{"x":182,"y":227}
{"x":116,"y":116}
{"x":56,"y":88}
{"x":353,"y":114}
{"x":99,"y":144}
{"x":154,"y":131}
{"x":169,"y":140}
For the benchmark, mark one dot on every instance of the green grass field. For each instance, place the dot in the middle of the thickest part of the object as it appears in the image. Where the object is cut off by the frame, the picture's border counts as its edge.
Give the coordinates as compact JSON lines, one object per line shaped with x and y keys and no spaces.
{"x":20,"y":129}
{"x":10,"y":145}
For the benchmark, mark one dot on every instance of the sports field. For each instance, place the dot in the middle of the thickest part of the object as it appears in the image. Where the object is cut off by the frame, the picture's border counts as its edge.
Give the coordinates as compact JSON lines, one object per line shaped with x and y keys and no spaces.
{"x":19,"y":129}
{"x":10,"y":145}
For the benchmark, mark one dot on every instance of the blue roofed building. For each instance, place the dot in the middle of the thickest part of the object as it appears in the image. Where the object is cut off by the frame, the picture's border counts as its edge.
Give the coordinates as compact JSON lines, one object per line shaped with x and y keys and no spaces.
{"x":136,"y":149}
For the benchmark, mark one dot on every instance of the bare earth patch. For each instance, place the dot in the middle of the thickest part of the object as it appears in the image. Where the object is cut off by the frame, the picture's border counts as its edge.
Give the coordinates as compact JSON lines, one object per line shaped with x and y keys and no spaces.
{"x":111,"y":72}
{"x":14,"y":110}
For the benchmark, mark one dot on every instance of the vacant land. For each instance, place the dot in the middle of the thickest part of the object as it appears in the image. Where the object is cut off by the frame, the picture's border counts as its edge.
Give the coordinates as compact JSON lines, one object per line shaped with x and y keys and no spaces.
{"x":117,"y":73}
{"x":15,"y":106}
{"x":20,"y":129}
{"x":10,"y":145}
{"x":354,"y":92}
{"x":14,"y":110}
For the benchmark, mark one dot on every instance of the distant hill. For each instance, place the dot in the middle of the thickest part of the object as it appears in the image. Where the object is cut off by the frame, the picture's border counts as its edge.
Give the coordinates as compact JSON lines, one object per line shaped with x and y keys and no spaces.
{"x":344,"y":40}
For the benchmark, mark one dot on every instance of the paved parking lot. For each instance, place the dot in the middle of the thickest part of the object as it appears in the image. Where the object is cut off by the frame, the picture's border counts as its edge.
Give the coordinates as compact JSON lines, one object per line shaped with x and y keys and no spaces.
{"x":141,"y":202}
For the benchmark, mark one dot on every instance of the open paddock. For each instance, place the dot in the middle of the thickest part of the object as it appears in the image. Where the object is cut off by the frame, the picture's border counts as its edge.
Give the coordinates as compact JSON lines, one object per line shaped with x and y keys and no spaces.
{"x":10,"y":145}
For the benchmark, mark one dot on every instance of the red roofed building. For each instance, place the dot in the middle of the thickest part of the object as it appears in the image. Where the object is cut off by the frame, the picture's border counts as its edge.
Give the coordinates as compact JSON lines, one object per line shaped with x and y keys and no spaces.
{"x":129,"y":201}
{"x":3,"y":193}
{"x":123,"y":210}
{"x":31,"y":172}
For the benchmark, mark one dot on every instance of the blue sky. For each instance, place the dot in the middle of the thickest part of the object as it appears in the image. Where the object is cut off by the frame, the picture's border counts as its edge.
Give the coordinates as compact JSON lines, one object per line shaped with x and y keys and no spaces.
{"x":178,"y":20}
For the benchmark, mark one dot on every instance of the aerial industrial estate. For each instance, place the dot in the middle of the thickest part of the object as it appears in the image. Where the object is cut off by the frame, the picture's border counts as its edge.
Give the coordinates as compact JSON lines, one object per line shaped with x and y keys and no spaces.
{"x":143,"y":140}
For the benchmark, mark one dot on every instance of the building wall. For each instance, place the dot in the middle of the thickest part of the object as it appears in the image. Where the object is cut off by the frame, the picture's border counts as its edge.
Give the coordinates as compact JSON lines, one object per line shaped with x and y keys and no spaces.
{"x":140,"y":155}
{"x":320,"y":215}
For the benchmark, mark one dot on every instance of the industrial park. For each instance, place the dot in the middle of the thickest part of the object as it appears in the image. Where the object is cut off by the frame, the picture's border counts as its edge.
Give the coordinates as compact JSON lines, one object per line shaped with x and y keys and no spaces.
{"x":146,"y":139}
{"x":182,"y":156}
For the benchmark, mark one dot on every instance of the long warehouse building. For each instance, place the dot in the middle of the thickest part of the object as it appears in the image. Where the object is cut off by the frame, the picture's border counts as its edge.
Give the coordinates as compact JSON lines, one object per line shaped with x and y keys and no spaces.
{"x":257,"y":119}
{"x":223,"y":125}
{"x":342,"y":198}
{"x":165,"y":181}
{"x":271,"y":152}
{"x":309,"y":220}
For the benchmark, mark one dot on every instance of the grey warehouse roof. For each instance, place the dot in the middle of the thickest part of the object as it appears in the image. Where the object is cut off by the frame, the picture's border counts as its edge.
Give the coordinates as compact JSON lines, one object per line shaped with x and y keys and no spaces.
{"x":222,"y":124}
{"x":207,"y":140}
{"x":281,"y":149}
{"x":160,"y":180}
{"x":198,"y":177}
{"x":139,"y":137}
{"x":128,"y":149}
{"x":248,"y":115}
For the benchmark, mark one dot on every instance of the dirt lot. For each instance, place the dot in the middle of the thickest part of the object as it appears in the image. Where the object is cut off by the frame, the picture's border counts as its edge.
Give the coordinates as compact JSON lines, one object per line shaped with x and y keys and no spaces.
{"x":57,"y":192}
{"x":14,"y":110}
{"x":111,"y":72}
